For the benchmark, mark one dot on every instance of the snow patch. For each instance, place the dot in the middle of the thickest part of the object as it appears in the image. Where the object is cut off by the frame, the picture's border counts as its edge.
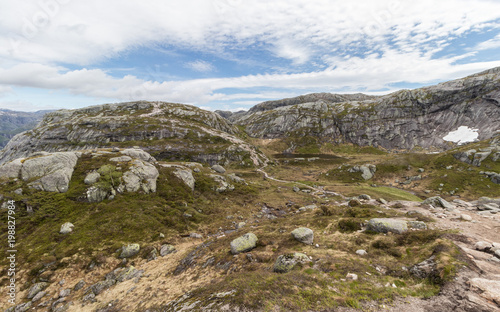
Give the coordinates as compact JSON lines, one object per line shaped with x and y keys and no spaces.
{"x":462,"y":135}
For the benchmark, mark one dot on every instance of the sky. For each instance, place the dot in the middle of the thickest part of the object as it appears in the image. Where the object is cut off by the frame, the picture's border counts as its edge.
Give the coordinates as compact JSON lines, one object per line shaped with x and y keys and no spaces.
{"x":233,"y":54}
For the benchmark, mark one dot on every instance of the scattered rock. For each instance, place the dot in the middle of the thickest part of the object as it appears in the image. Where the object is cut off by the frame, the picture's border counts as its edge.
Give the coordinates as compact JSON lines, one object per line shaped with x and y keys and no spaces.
{"x":66,"y":228}
{"x":79,"y":285}
{"x":308,"y":207}
{"x":64,"y":293}
{"x":35,"y":289}
{"x":186,"y":176}
{"x":130,"y":250}
{"x":384,"y":225}
{"x":92,"y":178}
{"x":382,"y":201}
{"x":424,"y":269}
{"x":364,"y":197}
{"x":303,"y":235}
{"x":367,"y":171}
{"x":167,"y":249}
{"x":418,"y":225}
{"x":196,"y":235}
{"x":483,"y":246}
{"x":96,"y":194}
{"x":437,"y":201}
{"x":296,"y":189}
{"x":354,"y":203}
{"x":39,"y":296}
{"x":121,"y":159}
{"x":223,"y":185}
{"x":218,"y":169}
{"x":465,"y":217}
{"x":240,"y":225}
{"x":361,"y":252}
{"x":244,"y":243}
{"x":351,"y":277}
{"x":285,"y":263}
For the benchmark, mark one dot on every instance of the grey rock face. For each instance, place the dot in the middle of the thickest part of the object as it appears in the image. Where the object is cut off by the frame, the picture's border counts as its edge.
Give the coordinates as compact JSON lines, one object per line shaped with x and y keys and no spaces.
{"x":244,"y":243}
{"x":285,"y":263}
{"x":66,"y":228}
{"x":401,"y":120}
{"x":186,"y":176}
{"x":384,"y":225}
{"x":303,"y":235}
{"x":130,"y":250}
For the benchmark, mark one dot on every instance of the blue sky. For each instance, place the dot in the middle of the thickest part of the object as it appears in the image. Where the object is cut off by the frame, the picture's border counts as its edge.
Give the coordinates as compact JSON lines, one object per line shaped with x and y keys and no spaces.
{"x":233,"y":54}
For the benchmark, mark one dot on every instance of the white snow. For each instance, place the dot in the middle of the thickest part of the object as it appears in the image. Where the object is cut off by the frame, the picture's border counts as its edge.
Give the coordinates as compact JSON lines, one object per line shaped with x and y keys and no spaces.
{"x":462,"y":135}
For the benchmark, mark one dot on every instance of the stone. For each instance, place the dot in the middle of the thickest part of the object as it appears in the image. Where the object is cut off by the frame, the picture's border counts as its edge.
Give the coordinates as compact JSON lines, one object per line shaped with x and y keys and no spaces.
{"x":125,"y":274}
{"x":153,"y":255}
{"x":121,"y":159}
{"x":138,"y":153}
{"x":141,"y":176}
{"x":303,"y":235}
{"x":424,"y":269}
{"x":130,"y":250}
{"x":167,"y":249}
{"x":351,"y":277}
{"x":240,"y":225}
{"x":382,"y":201}
{"x":367,"y":171}
{"x":364,"y":197}
{"x":308,"y":207}
{"x":18,"y":191}
{"x":354,"y":203}
{"x":36,"y":288}
{"x":465,"y":217}
{"x":361,"y":252}
{"x":483,"y":246}
{"x":52,"y":172}
{"x":418,"y":225}
{"x":223,"y":185}
{"x":218,"y":169}
{"x":11,"y":169}
{"x":186,"y":176}
{"x":296,"y":189}
{"x":96,"y":194}
{"x":64,"y":293}
{"x":233,"y":177}
{"x":384,"y":225}
{"x":66,"y":228}
{"x":79,"y":285}
{"x":39,"y":296}
{"x":196,"y":235}
{"x":22,"y":307}
{"x":437,"y":201}
{"x":285,"y":263}
{"x":98,"y":287}
{"x":244,"y":243}
{"x":92,"y":178}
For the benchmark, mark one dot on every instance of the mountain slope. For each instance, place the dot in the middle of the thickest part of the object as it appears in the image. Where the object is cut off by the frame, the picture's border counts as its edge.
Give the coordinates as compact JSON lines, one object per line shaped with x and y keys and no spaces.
{"x":406,"y":119}
{"x":166,"y":130}
{"x":14,"y":122}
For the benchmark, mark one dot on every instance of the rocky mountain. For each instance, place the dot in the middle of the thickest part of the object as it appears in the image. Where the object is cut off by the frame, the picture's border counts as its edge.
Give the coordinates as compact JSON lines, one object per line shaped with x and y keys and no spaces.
{"x":166,"y":130}
{"x":406,"y":119}
{"x":14,"y":122}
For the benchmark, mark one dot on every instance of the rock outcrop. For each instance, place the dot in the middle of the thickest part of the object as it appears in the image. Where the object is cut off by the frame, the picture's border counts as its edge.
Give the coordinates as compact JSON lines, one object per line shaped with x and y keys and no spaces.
{"x":405,"y":119}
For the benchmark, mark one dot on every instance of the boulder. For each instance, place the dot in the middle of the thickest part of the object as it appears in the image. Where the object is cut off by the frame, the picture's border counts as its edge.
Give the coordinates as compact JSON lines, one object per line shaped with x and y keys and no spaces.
{"x":418,"y":225}
{"x":139,"y":154}
{"x":303,"y":235}
{"x":121,"y":159}
{"x":424,"y":269}
{"x":361,"y":252}
{"x":39,"y":296}
{"x":142,"y":175}
{"x":53,"y":171}
{"x":66,"y":228}
{"x":218,"y":169}
{"x":92,"y":178}
{"x":465,"y":217}
{"x":285,"y":263}
{"x":364,"y":197}
{"x":129,"y":251}
{"x":223,"y":185}
{"x":35,"y":289}
{"x":483,"y":246}
{"x":351,"y":277}
{"x":244,"y":243}
{"x":438,"y":202}
{"x":96,"y":194}
{"x":186,"y":176}
{"x":11,"y":169}
{"x":384,"y":225}
{"x":167,"y":249}
{"x":367,"y":171}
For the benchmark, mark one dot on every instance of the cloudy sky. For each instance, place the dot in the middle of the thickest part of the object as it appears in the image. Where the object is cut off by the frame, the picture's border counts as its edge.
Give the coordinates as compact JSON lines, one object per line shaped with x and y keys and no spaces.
{"x":232,"y":54}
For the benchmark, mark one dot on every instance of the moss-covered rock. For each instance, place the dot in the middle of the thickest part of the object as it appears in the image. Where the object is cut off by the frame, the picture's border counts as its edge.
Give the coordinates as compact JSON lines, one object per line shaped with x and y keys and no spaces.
{"x":244,"y":243}
{"x":285,"y":263}
{"x":384,"y":225}
{"x":130,"y":250}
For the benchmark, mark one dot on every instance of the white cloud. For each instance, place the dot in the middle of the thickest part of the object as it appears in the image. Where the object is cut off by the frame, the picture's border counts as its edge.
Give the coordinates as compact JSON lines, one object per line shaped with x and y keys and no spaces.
{"x":489,"y":44}
{"x":200,"y":66}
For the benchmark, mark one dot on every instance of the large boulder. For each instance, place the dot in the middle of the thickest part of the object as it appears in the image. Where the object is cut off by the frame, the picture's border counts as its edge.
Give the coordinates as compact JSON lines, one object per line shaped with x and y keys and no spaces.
{"x":141,"y":176}
{"x":139,"y":154}
{"x":244,"y":243}
{"x":50,"y":172}
{"x":367,"y":171}
{"x":384,"y":225}
{"x":186,"y":175}
{"x":303,"y":235}
{"x":285,"y":263}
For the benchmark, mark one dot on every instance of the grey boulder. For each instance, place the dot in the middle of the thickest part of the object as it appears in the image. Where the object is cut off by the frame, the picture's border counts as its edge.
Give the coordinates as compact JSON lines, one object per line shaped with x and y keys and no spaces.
{"x":244,"y":243}
{"x":285,"y":263}
{"x":384,"y":225}
{"x":130,"y":250}
{"x":303,"y":235}
{"x":66,"y":228}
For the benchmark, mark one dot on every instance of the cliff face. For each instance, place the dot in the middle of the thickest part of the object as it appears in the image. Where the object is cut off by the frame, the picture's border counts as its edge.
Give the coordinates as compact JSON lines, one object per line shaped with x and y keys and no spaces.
{"x":13,"y":122}
{"x":166,"y":130}
{"x":402,"y":120}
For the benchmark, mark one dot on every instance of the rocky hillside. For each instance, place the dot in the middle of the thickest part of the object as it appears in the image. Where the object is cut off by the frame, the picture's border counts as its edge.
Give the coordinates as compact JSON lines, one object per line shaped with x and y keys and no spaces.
{"x":408,"y":119}
{"x":166,"y":130}
{"x":13,"y":122}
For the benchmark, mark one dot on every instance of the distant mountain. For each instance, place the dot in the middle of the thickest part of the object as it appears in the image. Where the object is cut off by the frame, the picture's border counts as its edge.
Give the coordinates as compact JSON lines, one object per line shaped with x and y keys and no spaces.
{"x":14,"y":122}
{"x":406,"y":119}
